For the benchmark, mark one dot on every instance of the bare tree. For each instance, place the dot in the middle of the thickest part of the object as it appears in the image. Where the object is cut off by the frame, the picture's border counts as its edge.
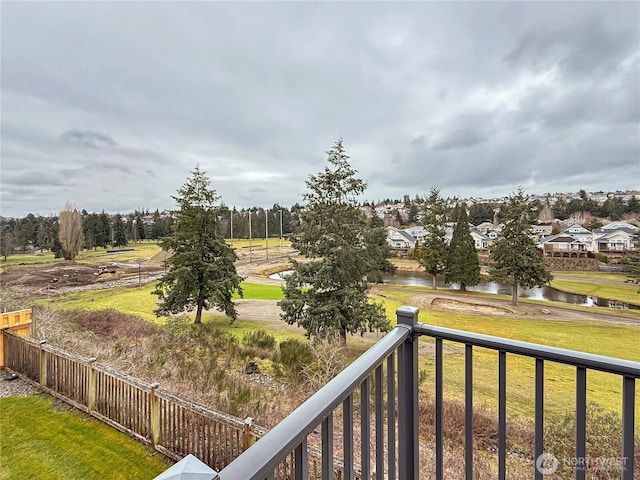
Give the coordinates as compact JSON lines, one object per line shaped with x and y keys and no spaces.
{"x":70,"y":232}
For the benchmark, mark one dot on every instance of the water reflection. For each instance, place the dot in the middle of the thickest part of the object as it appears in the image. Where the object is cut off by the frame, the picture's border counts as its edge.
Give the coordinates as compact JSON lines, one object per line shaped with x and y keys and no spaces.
{"x":536,"y":293}
{"x":545,"y":293}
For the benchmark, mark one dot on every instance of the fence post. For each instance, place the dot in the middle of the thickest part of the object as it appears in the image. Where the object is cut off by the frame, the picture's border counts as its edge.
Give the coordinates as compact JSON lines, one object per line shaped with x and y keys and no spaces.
{"x":92,"y":385}
{"x":43,"y":364}
{"x":247,"y":433}
{"x":408,"y":461}
{"x":5,"y":344}
{"x":155,"y":415}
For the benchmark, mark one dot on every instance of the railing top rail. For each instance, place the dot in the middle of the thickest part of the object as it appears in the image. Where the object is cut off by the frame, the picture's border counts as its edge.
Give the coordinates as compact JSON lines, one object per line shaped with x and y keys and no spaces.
{"x":262,"y":457}
{"x":571,"y":357}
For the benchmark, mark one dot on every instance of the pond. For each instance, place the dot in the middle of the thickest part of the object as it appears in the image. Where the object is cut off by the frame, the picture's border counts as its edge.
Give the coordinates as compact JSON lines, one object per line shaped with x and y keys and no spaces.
{"x":537,"y":293}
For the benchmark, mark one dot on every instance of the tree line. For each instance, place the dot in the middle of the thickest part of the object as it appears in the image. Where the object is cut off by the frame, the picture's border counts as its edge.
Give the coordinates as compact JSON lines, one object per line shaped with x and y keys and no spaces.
{"x":70,"y":232}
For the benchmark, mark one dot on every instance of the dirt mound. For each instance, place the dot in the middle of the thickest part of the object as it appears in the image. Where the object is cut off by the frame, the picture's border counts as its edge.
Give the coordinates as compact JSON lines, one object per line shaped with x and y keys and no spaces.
{"x":477,"y":308}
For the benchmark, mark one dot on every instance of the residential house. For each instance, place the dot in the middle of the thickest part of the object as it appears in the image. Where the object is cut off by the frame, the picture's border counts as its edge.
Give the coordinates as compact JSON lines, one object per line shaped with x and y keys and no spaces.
{"x":400,"y":242}
{"x":616,"y":239}
{"x":565,"y":245}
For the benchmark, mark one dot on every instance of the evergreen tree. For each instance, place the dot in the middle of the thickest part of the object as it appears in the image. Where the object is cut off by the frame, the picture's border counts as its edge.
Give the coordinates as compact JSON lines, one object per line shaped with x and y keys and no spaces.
{"x":463,"y":266}
{"x":201,"y":270}
{"x":634,"y":264}
{"x":119,"y":232}
{"x":327,"y":294}
{"x":514,"y":258}
{"x":6,"y":241}
{"x":375,"y":238}
{"x":433,"y":251}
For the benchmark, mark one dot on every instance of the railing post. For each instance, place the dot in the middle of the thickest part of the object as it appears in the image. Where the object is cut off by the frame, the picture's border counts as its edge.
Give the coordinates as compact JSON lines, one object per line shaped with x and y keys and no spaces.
{"x":247,"y":433}
{"x":408,"y":461}
{"x":92,"y":386}
{"x":155,"y":415}
{"x":42,"y":376}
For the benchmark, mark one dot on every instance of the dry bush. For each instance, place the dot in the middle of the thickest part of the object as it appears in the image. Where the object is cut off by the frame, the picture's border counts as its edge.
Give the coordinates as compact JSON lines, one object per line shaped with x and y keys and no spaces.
{"x":328,"y":360}
{"x":520,"y":433}
{"x":110,"y":324}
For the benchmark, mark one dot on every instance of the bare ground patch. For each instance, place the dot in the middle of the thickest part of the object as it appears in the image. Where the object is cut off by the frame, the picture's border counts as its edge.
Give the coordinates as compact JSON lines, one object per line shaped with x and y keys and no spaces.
{"x":475,"y":308}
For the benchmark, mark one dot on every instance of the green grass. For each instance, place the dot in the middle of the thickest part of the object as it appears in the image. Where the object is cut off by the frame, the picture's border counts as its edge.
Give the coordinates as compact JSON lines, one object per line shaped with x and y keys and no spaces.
{"x":28,"y":259}
{"x":141,"y":251}
{"x":140,"y":301}
{"x":625,"y":293}
{"x":39,"y":441}
{"x":617,"y":277}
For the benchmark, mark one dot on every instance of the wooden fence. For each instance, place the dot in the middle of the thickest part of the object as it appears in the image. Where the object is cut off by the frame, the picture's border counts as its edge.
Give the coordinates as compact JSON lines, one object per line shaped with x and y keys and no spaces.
{"x":172,"y":425}
{"x":18,"y":322}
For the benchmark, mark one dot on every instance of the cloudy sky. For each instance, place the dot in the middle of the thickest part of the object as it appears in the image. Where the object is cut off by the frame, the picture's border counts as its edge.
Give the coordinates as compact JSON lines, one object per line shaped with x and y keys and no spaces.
{"x":110,"y":105}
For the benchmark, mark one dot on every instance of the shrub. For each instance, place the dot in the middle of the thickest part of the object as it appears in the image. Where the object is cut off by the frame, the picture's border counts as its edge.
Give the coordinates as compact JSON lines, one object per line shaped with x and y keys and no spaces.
{"x":178,"y":326}
{"x":294,"y":354}
{"x":259,"y":339}
{"x":601,"y":257}
{"x":603,"y":442}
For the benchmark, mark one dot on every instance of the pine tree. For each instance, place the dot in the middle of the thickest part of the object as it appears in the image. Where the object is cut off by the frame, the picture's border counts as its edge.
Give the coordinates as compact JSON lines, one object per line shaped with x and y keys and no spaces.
{"x":514,"y":258}
{"x":463,"y":266}
{"x":433,"y":251}
{"x":201,"y":271}
{"x":119,"y":233}
{"x":327,"y":294}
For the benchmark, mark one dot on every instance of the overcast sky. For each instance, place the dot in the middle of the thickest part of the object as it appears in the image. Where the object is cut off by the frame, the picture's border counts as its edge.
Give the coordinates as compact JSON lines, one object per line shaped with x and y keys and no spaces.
{"x":110,"y":105}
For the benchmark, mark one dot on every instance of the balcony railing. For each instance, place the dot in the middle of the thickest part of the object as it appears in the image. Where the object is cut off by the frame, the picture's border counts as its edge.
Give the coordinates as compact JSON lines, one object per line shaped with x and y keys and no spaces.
{"x":390,"y":368}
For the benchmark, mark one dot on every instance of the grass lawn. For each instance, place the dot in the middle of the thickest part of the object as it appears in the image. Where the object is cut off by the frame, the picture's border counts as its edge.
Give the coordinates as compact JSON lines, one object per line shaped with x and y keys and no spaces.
{"x":39,"y":441}
{"x":611,"y":291}
{"x":140,"y":301}
{"x":617,"y":277}
{"x":620,"y":341}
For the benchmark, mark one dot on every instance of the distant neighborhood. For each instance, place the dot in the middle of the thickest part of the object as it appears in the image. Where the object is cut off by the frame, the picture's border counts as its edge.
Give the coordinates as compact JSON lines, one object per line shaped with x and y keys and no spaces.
{"x":614,"y":240}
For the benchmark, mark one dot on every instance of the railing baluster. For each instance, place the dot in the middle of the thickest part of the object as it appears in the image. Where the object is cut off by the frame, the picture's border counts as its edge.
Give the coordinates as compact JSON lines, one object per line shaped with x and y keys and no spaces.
{"x":628,"y":423}
{"x":408,"y":459}
{"x":347,"y":437}
{"x":391,"y":416}
{"x":468,"y":411}
{"x":327,"y":448}
{"x":439,"y":445}
{"x":379,"y":387}
{"x":301,"y":461}
{"x":539,"y":414}
{"x":502,"y":415}
{"x":365,"y":428}
{"x":581,"y":421}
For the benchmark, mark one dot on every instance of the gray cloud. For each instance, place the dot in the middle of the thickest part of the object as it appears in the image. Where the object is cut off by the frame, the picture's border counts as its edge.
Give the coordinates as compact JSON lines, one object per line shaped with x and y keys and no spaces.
{"x":87,"y":138}
{"x":476,"y":98}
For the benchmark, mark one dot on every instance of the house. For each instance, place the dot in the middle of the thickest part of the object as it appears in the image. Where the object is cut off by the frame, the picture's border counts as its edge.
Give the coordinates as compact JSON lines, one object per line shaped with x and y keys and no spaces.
{"x":565,"y":245}
{"x":616,"y":239}
{"x":400,"y":242}
{"x":481,"y":241}
{"x":418,"y":232}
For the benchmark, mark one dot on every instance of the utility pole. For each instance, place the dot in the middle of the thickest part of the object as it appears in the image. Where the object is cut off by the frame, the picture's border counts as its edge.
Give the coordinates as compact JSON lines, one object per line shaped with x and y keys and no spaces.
{"x":231,"y":218}
{"x":250,"y":239}
{"x":266,"y":231}
{"x":280,"y":245}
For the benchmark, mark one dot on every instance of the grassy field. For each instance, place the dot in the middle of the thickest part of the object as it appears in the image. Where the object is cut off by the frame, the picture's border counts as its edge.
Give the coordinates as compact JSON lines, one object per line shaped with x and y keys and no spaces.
{"x":620,"y":341}
{"x":40,"y":441}
{"x":140,"y":301}
{"x":612,"y":291}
